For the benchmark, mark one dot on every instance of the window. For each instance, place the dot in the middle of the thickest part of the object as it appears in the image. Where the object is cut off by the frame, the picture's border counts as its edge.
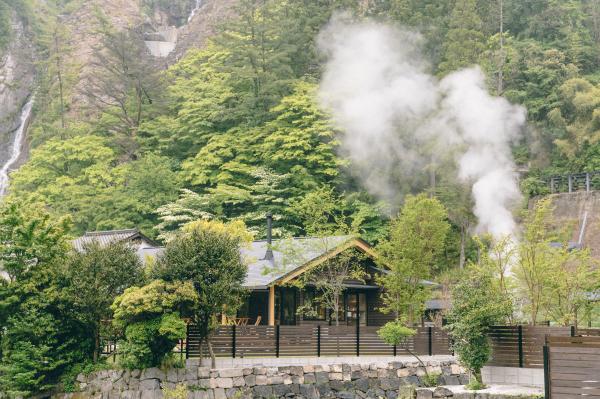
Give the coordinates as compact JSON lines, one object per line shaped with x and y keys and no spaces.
{"x":316,"y":311}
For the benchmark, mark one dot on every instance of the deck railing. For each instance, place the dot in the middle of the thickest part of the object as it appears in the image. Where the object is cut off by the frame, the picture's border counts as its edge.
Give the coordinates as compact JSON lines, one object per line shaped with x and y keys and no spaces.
{"x":298,"y":341}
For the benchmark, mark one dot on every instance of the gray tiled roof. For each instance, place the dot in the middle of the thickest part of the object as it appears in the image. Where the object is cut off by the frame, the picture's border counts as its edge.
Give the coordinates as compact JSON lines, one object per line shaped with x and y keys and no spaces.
{"x":288,"y":254}
{"x":106,"y":237}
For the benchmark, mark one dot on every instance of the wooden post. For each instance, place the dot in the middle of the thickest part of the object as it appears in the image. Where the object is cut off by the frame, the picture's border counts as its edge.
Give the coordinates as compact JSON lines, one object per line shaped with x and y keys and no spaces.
{"x":587,"y":182}
{"x":547,"y":393}
{"x":277,"y":332}
{"x":319,"y":340}
{"x":187,"y":341}
{"x":272,"y":305}
{"x":430,"y":340}
{"x":520,"y":345}
{"x":357,"y":337}
{"x":570,"y":179}
{"x":233,"y":341}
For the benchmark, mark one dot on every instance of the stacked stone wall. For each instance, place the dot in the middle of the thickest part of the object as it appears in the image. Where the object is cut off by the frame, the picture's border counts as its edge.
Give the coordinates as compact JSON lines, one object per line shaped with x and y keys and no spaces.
{"x":347,"y":381}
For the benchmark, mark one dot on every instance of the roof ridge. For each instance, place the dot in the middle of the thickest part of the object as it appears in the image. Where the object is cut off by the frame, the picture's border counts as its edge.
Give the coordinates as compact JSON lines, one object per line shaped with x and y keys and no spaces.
{"x":307,"y":238}
{"x":107,"y":232}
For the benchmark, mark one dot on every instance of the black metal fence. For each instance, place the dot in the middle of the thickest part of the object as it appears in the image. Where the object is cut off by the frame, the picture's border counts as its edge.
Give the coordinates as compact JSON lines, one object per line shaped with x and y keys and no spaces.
{"x":298,"y":341}
{"x":586,"y":181}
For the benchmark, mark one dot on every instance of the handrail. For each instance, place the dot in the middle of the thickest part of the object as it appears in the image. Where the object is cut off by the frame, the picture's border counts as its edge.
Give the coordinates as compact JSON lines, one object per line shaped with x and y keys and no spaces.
{"x":584,"y":181}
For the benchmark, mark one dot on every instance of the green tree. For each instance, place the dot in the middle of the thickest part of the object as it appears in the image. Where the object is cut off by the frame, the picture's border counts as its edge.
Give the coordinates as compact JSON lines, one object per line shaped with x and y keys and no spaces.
{"x":209,"y":257}
{"x":571,"y":278}
{"x":536,"y":257}
{"x":94,"y":277}
{"x":464,"y":41}
{"x":41,"y":336}
{"x":29,"y":238}
{"x":578,"y":118}
{"x":330,"y":278}
{"x":476,"y":306}
{"x":415,"y":240}
{"x":82,"y":177}
{"x":151,"y":317}
{"x":124,"y":87}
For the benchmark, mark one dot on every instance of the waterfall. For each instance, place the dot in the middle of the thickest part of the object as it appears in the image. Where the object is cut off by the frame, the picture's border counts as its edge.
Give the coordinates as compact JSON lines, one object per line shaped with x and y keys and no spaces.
{"x":17,"y":146}
{"x":195,"y":10}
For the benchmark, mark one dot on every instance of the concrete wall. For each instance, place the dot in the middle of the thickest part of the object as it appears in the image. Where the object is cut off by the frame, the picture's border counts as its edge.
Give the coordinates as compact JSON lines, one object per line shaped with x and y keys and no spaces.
{"x":342,"y":380}
{"x":513,"y":376}
{"x":228,"y":362}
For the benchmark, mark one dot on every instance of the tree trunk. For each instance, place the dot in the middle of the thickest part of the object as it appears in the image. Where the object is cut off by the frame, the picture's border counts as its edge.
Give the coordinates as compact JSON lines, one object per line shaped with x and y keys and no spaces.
{"x":213,"y":359}
{"x":60,"y":82}
{"x":502,"y":58}
{"x":477,"y":376}
{"x":96,"y":344}
{"x":432,"y":177}
{"x":461,"y":260}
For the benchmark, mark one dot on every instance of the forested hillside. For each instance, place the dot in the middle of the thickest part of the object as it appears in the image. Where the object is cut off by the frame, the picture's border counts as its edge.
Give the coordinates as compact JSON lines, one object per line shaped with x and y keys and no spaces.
{"x":233,"y":129}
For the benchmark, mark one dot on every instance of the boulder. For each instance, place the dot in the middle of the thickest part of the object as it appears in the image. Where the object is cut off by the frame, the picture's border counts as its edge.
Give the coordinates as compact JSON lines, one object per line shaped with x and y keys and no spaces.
{"x":442,"y":392}
{"x":424,"y":393}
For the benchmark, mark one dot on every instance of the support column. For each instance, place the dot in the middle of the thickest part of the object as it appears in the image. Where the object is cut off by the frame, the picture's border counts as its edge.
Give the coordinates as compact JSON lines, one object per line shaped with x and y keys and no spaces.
{"x":272,"y":305}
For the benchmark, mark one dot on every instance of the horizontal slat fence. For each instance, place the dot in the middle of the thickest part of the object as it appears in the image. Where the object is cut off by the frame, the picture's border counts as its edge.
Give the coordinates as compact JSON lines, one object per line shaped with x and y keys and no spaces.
{"x":297,"y":341}
{"x":521,"y":346}
{"x":571,"y":367}
{"x":512,"y":346}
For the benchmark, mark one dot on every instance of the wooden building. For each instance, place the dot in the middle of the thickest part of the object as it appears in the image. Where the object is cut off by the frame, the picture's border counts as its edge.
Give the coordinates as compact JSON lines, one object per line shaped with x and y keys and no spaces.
{"x":274,"y":298}
{"x":273,"y":268}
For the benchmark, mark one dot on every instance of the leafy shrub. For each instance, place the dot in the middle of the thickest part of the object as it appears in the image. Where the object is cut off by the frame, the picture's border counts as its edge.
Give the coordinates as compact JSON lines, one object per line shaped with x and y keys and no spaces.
{"x":69,"y":378}
{"x":151,"y":319}
{"x":475,"y":385}
{"x":148,"y":342}
{"x":172,"y":361}
{"x":179,"y":392}
{"x":431,"y":380}
{"x":395,"y":333}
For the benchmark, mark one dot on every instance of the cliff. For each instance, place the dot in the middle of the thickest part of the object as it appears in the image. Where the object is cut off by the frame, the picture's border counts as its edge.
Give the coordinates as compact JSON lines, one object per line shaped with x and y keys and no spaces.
{"x":17,"y":75}
{"x":580,"y":212}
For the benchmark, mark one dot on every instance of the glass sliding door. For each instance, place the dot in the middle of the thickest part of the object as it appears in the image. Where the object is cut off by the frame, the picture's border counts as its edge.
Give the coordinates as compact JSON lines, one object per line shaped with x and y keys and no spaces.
{"x":356,"y":308}
{"x":286,"y":301}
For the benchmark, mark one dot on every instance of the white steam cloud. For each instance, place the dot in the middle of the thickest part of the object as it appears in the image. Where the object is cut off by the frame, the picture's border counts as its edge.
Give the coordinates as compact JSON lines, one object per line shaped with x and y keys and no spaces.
{"x":377,"y":86}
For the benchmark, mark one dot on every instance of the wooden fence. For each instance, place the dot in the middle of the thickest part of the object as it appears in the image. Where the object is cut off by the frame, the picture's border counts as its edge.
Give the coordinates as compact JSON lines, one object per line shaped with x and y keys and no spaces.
{"x":522,"y":346}
{"x":571,"y":367}
{"x":297,"y":341}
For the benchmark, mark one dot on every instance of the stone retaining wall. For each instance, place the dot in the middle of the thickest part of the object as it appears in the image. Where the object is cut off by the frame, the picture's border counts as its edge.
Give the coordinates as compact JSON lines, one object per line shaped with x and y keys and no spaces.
{"x":346,"y":381}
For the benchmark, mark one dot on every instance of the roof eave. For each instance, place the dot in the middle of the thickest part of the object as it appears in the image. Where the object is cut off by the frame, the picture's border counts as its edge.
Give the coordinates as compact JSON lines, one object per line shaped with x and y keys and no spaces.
{"x":351,"y":242}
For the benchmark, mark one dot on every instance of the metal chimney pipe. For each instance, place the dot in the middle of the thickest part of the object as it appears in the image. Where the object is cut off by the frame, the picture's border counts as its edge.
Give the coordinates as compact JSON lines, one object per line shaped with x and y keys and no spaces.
{"x":269,"y":253}
{"x":269,"y":228}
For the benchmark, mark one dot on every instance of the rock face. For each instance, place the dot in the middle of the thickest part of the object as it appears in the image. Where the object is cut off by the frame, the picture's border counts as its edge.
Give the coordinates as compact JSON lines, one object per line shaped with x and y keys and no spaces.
{"x":580,"y":213}
{"x":384,"y":380}
{"x":17,"y":75}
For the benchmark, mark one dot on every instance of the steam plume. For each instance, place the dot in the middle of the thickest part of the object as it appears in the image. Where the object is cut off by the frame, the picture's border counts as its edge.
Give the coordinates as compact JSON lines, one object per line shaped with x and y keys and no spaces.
{"x":377,"y":86}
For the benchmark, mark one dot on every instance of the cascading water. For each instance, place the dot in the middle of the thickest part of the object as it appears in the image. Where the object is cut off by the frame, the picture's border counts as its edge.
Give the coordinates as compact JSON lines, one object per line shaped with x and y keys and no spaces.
{"x":195,"y":10}
{"x":17,"y":146}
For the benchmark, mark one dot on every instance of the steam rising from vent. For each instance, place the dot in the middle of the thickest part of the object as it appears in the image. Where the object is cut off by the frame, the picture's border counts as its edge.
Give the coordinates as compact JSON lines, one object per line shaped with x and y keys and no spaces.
{"x":377,"y":86}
